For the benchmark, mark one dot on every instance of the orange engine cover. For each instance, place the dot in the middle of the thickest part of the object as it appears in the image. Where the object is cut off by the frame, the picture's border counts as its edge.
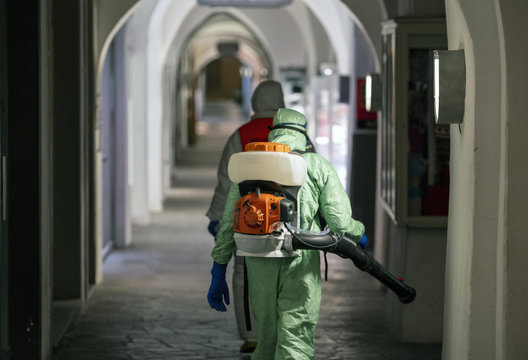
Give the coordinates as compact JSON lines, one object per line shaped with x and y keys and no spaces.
{"x":254,"y":214}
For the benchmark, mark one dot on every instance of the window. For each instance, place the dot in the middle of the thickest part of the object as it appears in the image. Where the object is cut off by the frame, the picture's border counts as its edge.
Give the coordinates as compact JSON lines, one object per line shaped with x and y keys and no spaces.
{"x":415,"y":151}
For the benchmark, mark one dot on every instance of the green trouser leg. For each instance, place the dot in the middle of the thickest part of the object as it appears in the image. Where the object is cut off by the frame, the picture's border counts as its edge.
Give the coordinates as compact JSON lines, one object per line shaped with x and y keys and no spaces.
{"x":285,"y":294}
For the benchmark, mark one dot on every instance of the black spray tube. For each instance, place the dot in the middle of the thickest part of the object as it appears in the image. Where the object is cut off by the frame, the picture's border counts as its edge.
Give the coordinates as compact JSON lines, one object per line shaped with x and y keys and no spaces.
{"x":345,"y":247}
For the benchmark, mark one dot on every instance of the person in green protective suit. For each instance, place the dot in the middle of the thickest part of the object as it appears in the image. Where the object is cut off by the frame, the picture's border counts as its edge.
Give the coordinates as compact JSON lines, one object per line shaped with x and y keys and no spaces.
{"x":286,"y":292}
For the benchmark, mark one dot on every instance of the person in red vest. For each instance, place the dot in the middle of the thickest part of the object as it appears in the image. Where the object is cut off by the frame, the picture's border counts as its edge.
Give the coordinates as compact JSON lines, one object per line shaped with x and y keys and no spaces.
{"x":266,"y":100}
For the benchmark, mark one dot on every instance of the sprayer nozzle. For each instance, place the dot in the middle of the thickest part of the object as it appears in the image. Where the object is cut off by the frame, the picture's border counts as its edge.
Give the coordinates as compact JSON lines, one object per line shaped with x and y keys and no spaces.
{"x":409,"y":298}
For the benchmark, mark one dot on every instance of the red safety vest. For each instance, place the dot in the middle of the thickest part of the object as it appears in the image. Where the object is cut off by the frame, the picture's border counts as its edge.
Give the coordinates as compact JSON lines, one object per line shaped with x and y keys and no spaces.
{"x":255,"y":130}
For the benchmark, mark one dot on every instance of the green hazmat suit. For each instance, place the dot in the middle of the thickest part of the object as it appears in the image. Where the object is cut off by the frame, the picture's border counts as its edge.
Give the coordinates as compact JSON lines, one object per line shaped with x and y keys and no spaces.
{"x":286,"y":292}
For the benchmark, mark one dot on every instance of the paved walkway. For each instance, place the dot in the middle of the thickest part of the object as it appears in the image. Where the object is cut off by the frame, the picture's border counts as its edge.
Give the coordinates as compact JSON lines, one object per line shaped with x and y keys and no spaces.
{"x":152,"y":303}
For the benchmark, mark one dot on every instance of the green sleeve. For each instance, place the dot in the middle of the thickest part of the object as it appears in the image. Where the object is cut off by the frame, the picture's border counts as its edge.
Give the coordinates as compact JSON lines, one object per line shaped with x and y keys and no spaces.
{"x":224,"y":241}
{"x":334,"y":202}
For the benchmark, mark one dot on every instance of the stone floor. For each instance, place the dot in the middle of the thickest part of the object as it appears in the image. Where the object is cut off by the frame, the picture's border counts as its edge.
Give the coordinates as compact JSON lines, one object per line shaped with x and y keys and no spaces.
{"x":152,"y":303}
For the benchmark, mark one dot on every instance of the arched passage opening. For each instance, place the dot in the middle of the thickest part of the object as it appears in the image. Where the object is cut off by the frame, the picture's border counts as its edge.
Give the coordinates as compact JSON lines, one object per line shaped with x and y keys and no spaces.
{"x":222,"y":58}
{"x":162,"y":89}
{"x":223,"y":79}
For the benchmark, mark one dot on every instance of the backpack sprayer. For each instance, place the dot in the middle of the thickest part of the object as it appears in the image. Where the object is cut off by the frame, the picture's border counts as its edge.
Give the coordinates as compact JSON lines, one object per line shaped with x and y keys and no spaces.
{"x":266,"y":220}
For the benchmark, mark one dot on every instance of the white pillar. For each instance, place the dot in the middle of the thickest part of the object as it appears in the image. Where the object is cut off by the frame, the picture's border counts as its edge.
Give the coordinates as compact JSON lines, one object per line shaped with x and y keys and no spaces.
{"x":154,"y":106}
{"x":136,"y":47}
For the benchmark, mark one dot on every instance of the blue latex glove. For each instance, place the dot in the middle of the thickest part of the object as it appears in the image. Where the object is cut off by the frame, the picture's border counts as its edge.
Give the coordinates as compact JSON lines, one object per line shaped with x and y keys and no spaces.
{"x":213,"y":227}
{"x":363,"y":242}
{"x":218,"y":291}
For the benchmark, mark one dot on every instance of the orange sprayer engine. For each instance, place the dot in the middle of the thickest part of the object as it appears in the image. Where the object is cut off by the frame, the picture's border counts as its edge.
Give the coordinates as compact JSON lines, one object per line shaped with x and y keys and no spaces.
{"x":255,"y":213}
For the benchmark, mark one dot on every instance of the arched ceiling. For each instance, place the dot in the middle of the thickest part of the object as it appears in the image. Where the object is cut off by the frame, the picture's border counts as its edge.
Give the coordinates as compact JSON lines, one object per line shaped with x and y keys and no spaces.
{"x":110,"y":15}
{"x":262,"y":38}
{"x":226,"y":28}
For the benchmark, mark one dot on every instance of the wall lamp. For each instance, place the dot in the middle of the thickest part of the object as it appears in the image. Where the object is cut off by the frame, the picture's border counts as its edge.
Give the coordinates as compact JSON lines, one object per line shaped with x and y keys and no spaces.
{"x":373,"y":92}
{"x":449,"y":86}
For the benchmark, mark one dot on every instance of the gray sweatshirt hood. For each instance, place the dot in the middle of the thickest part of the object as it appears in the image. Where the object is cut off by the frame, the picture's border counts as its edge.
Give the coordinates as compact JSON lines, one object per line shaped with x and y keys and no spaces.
{"x":267,"y":99}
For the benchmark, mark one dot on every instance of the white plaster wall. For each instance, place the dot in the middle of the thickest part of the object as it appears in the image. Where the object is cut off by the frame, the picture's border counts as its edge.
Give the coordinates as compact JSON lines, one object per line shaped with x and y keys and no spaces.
{"x":486,"y":313}
{"x":461,"y":205}
{"x":145,"y":48}
{"x":137,"y":111}
{"x":301,"y":17}
{"x":323,"y":47}
{"x":338,"y":27}
{"x":471,"y":266}
{"x":153,"y":97}
{"x":272,"y":25}
{"x":368,"y":16}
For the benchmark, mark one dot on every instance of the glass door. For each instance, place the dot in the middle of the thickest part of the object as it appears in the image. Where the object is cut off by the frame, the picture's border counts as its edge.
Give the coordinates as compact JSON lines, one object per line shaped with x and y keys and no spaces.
{"x":331,"y":125}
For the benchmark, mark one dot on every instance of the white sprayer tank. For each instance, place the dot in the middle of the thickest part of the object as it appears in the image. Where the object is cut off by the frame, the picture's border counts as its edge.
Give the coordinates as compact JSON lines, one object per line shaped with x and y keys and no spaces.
{"x":281,"y":167}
